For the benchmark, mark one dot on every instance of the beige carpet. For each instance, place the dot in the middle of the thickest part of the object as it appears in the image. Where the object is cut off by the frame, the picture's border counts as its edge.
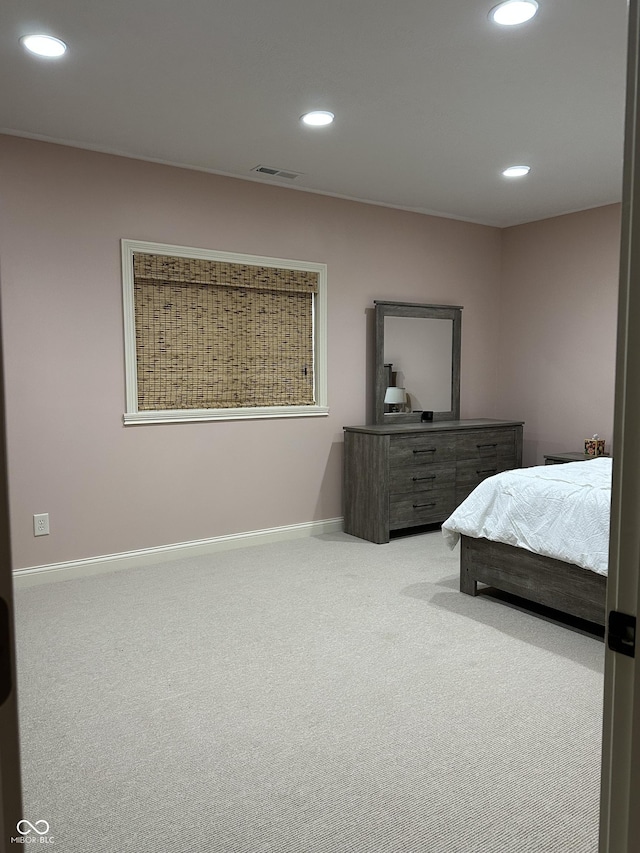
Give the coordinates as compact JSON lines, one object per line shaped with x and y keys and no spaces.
{"x":321,"y":695}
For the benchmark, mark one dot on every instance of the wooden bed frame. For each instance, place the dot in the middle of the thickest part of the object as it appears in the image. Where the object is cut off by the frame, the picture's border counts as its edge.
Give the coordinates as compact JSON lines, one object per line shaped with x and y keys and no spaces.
{"x":563,"y":586}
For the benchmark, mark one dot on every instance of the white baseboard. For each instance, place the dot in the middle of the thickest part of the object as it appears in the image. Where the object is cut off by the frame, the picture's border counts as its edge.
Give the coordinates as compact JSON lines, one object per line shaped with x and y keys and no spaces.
{"x":36,"y":575}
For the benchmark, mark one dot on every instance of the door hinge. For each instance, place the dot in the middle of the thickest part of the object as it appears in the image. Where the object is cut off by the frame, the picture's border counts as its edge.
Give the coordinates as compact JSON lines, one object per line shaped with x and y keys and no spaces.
{"x":621,"y":633}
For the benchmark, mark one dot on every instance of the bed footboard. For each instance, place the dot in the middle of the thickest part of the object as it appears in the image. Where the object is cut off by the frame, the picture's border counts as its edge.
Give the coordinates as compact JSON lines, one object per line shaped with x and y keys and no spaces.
{"x":563,"y":586}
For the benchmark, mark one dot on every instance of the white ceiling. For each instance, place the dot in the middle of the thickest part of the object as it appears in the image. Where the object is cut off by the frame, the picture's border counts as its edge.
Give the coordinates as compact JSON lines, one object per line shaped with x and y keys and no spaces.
{"x":431,"y":99}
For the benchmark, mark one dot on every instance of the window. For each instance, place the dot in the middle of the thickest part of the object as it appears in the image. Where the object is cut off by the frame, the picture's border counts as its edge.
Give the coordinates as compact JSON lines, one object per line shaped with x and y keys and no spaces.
{"x":212,"y":335}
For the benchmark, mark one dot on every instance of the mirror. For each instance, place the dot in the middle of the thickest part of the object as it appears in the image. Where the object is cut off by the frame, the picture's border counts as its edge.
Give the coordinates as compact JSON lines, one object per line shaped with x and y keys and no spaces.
{"x":417,"y":361}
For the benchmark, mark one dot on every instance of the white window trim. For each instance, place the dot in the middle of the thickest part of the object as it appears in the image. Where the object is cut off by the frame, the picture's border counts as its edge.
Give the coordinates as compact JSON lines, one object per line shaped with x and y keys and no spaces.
{"x":133,"y":416}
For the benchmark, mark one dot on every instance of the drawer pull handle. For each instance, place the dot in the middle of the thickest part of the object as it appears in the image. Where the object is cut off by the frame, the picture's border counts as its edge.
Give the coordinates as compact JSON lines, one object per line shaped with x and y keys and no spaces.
{"x":488,"y":471}
{"x":486,"y":445}
{"x":431,"y":477}
{"x":430,"y":450}
{"x":422,"y":506}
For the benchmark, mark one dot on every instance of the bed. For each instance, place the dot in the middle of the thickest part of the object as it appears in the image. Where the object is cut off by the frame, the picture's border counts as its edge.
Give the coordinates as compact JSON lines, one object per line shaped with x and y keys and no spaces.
{"x":540,"y":533}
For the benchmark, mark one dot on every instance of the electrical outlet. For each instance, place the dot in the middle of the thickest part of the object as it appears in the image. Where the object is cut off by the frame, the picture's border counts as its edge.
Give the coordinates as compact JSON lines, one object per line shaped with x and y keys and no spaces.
{"x":41,"y":524}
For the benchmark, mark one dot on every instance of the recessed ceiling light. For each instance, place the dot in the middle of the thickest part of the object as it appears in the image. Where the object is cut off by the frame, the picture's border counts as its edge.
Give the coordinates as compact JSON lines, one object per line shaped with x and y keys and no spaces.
{"x":516,"y":171}
{"x":318,"y":118}
{"x":513,"y":12}
{"x":44,"y":45}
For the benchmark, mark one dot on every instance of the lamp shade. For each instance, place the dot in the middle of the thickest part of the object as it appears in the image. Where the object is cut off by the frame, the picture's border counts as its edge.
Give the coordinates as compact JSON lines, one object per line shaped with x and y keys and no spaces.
{"x":395,"y":395}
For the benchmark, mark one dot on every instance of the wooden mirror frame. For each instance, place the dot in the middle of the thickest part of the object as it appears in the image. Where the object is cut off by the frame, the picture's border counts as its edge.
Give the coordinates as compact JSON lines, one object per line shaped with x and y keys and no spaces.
{"x":415,"y":309}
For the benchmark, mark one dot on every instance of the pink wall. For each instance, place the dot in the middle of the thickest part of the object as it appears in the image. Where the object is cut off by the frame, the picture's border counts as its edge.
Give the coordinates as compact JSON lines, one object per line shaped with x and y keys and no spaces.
{"x":558,"y":329}
{"x":110,"y":489}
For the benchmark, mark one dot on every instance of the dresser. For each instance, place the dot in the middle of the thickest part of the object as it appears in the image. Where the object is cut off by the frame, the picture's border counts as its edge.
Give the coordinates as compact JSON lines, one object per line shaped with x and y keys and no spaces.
{"x":405,"y":475}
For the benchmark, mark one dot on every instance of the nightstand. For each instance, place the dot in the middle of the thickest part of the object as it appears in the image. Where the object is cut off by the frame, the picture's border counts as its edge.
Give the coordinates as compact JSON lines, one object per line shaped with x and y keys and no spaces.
{"x":571,"y":456}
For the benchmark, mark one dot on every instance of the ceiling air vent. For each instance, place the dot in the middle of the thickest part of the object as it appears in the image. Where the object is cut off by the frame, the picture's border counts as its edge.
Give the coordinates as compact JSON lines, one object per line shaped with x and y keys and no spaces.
{"x":277,"y":173}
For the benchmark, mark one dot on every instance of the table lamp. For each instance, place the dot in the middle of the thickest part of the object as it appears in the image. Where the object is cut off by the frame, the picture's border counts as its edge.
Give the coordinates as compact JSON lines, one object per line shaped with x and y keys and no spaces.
{"x":395,"y":397}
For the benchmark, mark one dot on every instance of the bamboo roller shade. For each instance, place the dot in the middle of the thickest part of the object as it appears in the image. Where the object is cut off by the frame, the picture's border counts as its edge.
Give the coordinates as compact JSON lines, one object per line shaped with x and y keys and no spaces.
{"x":212,"y":334}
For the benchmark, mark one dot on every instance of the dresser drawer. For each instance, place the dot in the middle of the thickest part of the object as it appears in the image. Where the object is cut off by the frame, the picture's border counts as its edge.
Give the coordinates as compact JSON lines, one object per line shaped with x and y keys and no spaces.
{"x":424,"y":508}
{"x":472,"y":472}
{"x":421,"y":478}
{"x":486,"y":445}
{"x":421,"y":450}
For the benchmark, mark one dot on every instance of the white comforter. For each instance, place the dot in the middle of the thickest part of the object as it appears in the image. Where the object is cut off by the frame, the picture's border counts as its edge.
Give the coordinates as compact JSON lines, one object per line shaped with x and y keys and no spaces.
{"x":560,"y":511}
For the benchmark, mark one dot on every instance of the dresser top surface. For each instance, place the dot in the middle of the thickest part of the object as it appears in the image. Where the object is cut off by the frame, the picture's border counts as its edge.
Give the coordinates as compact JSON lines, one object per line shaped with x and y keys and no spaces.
{"x":434,"y":426}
